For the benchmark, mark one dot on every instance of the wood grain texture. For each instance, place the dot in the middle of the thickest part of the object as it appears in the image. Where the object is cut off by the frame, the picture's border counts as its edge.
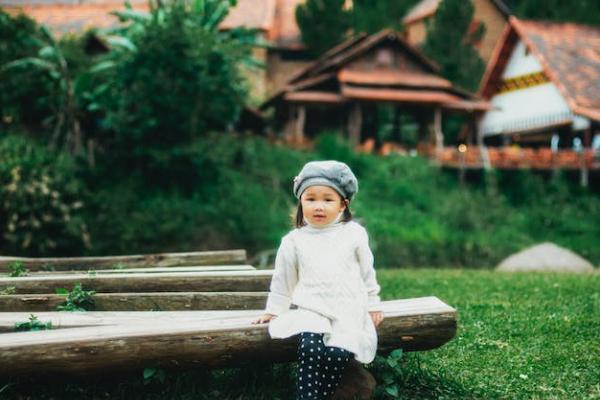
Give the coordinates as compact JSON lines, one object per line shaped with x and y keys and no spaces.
{"x":151,"y":301}
{"x":142,"y":260}
{"x":411,"y":324}
{"x":150,"y":270}
{"x":222,"y":281}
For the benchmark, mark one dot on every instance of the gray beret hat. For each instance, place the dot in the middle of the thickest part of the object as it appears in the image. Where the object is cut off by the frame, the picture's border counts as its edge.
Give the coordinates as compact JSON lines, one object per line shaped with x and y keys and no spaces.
{"x":334,"y":174}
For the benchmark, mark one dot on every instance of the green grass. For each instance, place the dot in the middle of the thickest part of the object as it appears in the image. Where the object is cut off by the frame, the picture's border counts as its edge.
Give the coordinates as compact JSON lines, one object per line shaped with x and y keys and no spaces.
{"x":520,"y":336}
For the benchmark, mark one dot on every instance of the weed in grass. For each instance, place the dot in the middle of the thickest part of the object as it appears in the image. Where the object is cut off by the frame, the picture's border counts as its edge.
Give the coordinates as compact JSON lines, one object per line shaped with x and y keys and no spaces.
{"x":17,"y":269}
{"x":8,"y":290}
{"x":47,"y":268}
{"x":77,"y":299}
{"x":34,"y":324}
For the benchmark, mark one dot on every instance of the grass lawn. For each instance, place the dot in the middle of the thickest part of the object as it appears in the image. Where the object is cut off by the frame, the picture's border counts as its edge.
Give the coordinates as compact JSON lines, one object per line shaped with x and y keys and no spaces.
{"x":520,"y":336}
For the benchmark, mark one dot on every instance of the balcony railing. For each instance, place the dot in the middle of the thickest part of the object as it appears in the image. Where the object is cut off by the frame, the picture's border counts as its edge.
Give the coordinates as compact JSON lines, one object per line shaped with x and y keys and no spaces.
{"x":513,"y":157}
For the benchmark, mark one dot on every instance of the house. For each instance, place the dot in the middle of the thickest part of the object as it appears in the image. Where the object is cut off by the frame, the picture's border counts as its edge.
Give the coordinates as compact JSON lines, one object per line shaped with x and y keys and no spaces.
{"x":543,"y":80}
{"x":492,"y":13}
{"x":275,"y":21}
{"x":543,"y":85}
{"x":346,"y":88}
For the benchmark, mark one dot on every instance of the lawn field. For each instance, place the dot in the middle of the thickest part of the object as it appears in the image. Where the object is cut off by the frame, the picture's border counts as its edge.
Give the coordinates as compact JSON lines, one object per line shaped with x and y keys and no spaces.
{"x":520,"y":336}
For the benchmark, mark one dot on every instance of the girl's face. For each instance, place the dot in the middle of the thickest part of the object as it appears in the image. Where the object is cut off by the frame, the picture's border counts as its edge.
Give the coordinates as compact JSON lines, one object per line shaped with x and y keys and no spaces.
{"x":321,"y":204}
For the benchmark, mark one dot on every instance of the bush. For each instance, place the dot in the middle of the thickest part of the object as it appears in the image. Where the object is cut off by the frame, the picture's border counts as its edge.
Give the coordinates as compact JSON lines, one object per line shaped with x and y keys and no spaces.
{"x":40,"y":200}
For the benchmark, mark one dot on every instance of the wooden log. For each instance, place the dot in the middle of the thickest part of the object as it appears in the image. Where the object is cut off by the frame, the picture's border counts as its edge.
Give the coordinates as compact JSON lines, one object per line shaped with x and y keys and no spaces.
{"x":131,"y":261}
{"x":225,"y":281}
{"x":79,"y":319}
{"x":151,"y":301}
{"x":411,"y":324}
{"x":194,"y":268}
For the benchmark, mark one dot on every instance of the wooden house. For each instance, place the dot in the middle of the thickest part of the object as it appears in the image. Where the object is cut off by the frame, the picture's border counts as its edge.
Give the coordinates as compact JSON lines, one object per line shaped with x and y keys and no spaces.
{"x":343,"y":89}
{"x":493,"y":14}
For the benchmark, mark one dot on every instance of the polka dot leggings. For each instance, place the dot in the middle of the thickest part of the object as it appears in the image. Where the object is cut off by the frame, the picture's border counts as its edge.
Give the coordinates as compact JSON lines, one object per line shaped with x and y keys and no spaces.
{"x":320,"y":367}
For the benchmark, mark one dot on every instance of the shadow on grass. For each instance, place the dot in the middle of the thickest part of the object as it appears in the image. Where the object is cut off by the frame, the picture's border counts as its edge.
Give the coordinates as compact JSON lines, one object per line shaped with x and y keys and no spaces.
{"x":410,"y":380}
{"x":406,"y":380}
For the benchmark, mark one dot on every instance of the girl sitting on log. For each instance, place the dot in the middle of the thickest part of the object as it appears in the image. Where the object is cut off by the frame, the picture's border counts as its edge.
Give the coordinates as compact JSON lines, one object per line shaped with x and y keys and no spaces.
{"x":324,"y":271}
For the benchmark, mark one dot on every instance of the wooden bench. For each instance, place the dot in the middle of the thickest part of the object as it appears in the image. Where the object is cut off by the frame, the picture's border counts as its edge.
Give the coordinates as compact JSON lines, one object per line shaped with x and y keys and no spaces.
{"x":130,"y":261}
{"x":168,"y":339}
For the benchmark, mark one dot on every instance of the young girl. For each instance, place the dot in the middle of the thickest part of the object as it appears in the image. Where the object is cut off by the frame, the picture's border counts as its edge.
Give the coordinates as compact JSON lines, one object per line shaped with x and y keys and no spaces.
{"x":324,"y":270}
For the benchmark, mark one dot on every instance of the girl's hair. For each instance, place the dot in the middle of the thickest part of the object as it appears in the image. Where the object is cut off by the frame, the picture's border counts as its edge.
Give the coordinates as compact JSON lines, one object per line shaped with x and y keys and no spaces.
{"x":299,"y":217}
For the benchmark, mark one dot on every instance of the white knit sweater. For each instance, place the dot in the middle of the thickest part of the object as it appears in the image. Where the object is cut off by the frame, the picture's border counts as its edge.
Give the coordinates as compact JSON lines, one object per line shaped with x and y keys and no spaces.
{"x":327,"y":272}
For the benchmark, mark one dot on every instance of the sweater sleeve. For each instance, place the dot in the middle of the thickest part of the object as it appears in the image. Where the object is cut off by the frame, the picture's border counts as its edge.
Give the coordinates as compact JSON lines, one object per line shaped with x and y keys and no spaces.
{"x":285,"y":278}
{"x":367,"y":271}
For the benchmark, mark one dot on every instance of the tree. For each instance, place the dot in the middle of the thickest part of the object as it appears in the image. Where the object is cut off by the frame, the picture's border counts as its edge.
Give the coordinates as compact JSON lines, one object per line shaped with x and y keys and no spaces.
{"x":450,"y":43}
{"x":323,"y":24}
{"x":171,"y":77}
{"x":582,"y":11}
{"x":371,"y":16}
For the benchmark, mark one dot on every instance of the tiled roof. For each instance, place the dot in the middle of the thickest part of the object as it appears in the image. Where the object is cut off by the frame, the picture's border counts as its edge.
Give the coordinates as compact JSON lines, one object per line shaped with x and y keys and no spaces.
{"x":276,"y":18}
{"x":340,"y":73}
{"x":66,"y":17}
{"x":569,"y":54}
{"x":427,"y":8}
{"x":393,"y":77}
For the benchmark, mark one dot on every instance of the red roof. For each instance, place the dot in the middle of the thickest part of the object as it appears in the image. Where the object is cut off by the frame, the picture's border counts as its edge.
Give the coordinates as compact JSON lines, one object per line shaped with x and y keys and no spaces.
{"x":274,"y":17}
{"x":569,"y":57}
{"x":74,"y":18}
{"x":399,"y":95}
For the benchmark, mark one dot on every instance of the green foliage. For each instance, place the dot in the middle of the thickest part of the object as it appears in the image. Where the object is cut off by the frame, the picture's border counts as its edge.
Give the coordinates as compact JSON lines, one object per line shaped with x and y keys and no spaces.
{"x":77,"y":299}
{"x":583,"y":11}
{"x":450,"y":43}
{"x":371,"y":16}
{"x":21,"y":99}
{"x":323,"y":24}
{"x":172,"y":77}
{"x":34,"y":324}
{"x":8,"y":290}
{"x":17,"y":269}
{"x":154,"y":375}
{"x":40,"y":200}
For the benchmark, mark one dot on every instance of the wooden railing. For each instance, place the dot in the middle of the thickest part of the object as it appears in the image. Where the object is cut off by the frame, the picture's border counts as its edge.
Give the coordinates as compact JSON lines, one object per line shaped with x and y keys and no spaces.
{"x":512,"y":157}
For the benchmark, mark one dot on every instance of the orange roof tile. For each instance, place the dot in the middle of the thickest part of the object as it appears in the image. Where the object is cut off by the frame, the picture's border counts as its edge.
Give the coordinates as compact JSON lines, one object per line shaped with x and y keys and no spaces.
{"x":316,"y":97}
{"x":392,"y":77}
{"x":399,"y":95}
{"x":276,"y":17}
{"x":74,"y":18}
{"x":568,"y":54}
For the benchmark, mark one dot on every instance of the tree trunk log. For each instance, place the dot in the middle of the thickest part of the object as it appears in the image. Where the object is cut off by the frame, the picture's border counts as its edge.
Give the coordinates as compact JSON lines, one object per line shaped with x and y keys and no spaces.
{"x":411,"y":324}
{"x":79,"y":319}
{"x":157,"y":301}
{"x":143,"y":260}
{"x":199,"y":268}
{"x":227,"y":281}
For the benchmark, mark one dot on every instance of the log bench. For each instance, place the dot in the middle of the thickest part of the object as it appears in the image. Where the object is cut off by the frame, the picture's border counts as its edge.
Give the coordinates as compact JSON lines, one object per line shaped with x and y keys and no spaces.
{"x":130,"y":261}
{"x":216,"y":281}
{"x":141,"y":301}
{"x":176,"y":339}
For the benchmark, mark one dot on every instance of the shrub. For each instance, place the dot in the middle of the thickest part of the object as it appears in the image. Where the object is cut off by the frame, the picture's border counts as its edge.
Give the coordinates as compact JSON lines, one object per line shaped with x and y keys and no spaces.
{"x":40,"y":200}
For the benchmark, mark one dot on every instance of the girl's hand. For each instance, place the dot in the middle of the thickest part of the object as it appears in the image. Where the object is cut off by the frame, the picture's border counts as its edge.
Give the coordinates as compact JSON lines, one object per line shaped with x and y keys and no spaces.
{"x":377,"y":317}
{"x":264,"y":319}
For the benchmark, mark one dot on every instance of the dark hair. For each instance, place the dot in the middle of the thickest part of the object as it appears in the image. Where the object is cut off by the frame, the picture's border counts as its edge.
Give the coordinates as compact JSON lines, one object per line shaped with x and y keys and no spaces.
{"x":298,"y":219}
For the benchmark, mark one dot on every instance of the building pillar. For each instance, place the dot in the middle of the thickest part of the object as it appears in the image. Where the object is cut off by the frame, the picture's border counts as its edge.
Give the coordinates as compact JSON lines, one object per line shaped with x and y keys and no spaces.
{"x":355,"y":124}
{"x":300,"y":122}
